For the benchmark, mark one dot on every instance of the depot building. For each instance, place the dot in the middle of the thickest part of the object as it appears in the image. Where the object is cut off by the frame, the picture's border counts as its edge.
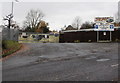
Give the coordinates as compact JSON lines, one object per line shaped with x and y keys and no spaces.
{"x":104,"y":31}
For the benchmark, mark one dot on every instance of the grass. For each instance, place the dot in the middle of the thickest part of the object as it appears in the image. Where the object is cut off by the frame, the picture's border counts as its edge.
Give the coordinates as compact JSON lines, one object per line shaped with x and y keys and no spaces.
{"x":9,"y":47}
{"x":53,"y":39}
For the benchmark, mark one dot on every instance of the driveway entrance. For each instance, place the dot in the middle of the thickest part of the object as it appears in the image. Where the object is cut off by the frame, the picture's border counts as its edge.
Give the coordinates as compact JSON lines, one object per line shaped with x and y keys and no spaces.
{"x":104,"y":36}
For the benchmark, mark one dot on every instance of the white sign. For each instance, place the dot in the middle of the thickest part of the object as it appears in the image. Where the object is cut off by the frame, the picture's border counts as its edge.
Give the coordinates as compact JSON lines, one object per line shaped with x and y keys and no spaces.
{"x":104,"y":24}
{"x":104,"y":27}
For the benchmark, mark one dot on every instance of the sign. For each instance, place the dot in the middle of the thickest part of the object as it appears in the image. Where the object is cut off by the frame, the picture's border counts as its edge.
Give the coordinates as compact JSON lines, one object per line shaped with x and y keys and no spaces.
{"x":104,"y":19}
{"x":104,"y":24}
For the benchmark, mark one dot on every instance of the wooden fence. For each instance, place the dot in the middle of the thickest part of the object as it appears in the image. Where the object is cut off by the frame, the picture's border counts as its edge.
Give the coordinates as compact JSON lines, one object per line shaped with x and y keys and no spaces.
{"x":88,"y":36}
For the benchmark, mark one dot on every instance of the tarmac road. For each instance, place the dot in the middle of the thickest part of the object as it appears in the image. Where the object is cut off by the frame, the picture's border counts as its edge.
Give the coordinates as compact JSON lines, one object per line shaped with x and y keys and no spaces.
{"x":63,"y":62}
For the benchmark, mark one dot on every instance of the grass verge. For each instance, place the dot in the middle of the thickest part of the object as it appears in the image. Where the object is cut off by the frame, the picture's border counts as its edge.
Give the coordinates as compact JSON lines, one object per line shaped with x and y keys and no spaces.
{"x":9,"y":47}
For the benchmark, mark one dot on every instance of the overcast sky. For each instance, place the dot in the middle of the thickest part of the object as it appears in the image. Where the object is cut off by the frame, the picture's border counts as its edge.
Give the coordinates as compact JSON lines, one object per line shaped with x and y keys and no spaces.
{"x":60,"y":13}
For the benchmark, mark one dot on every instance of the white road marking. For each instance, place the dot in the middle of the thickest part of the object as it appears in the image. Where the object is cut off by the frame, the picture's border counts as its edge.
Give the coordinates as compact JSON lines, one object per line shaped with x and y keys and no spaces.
{"x":114,"y":65}
{"x":101,"y":60}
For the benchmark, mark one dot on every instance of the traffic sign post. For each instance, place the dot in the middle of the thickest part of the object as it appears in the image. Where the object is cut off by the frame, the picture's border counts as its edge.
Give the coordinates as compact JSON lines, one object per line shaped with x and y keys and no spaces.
{"x":97,"y":36}
{"x":104,"y":24}
{"x":110,"y":36}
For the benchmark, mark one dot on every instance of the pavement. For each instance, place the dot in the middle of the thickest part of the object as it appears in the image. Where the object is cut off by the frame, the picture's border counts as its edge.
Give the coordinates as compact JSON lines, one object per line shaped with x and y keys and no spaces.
{"x":63,"y":62}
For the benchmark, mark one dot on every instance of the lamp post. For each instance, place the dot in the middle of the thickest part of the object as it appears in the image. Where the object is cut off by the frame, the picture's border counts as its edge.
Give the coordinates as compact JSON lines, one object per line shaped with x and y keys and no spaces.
{"x":12,"y":7}
{"x":12,"y":14}
{"x":12,"y":11}
{"x":9,"y":19}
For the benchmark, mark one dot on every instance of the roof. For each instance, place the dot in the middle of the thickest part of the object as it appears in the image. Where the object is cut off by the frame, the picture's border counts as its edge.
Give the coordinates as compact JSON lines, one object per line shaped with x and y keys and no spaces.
{"x":79,"y":30}
{"x":84,"y":30}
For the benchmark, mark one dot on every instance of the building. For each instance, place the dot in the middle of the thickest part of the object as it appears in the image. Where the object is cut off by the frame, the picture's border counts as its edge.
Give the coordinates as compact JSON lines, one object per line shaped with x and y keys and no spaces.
{"x":70,"y":28}
{"x":88,"y":35}
{"x":103,"y":31}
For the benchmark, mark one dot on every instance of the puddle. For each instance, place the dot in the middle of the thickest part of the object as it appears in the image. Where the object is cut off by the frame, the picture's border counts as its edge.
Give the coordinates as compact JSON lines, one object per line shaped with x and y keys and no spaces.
{"x":100,"y":60}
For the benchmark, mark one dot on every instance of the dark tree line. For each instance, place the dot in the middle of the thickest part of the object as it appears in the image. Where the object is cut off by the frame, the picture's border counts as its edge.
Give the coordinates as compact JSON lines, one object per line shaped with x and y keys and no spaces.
{"x":87,"y":25}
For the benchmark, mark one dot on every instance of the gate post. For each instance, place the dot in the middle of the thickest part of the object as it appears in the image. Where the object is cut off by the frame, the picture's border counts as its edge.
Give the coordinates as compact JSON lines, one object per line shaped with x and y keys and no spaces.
{"x":110,"y":36}
{"x":97,"y":36}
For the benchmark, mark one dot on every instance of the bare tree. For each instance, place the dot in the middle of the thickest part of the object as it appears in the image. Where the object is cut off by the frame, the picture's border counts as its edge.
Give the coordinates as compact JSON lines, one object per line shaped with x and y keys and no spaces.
{"x":9,"y":19}
{"x":77,"y":22}
{"x":116,"y":16}
{"x":33,"y":18}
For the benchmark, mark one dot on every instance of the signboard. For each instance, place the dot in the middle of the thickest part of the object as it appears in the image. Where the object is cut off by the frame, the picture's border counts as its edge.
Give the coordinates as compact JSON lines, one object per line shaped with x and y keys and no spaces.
{"x":104,"y":24}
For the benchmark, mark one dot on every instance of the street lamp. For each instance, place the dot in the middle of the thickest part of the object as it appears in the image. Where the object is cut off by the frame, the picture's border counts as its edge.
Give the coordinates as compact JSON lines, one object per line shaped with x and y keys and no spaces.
{"x":13,"y":6}
{"x":12,"y":10}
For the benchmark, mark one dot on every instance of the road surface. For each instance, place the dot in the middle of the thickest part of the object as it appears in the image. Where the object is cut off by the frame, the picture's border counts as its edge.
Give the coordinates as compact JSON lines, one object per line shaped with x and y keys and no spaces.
{"x":63,"y":62}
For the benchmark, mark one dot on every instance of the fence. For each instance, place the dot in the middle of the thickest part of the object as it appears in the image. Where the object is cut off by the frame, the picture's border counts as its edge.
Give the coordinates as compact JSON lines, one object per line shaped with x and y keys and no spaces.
{"x":10,"y":34}
{"x":88,"y":36}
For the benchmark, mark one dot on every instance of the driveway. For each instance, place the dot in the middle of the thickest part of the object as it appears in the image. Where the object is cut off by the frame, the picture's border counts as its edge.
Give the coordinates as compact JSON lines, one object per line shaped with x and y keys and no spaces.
{"x":63,"y":62}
